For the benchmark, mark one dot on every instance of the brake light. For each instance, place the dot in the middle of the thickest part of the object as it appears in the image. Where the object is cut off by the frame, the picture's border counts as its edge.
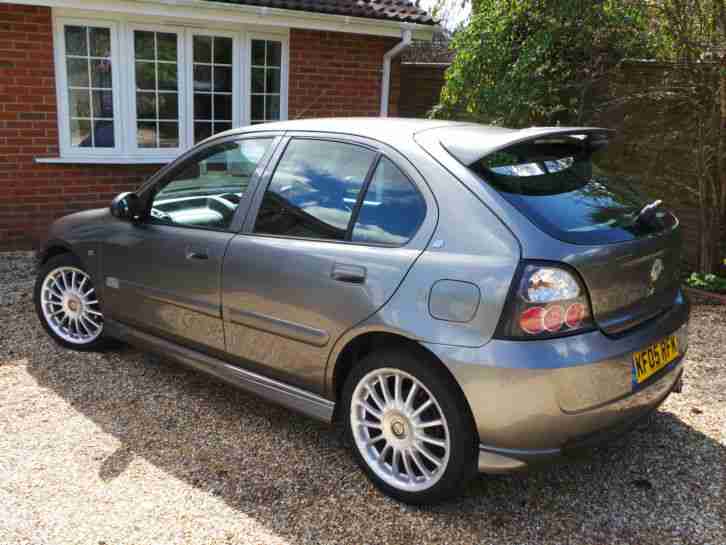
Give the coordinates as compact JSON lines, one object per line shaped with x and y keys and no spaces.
{"x":549,"y":301}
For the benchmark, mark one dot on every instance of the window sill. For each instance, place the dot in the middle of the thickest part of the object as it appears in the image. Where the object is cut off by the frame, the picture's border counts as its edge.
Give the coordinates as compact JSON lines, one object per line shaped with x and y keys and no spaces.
{"x":90,"y":160}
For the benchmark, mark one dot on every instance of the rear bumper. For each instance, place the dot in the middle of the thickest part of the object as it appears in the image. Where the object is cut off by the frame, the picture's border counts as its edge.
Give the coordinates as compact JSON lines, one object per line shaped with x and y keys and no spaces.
{"x":535,"y":400}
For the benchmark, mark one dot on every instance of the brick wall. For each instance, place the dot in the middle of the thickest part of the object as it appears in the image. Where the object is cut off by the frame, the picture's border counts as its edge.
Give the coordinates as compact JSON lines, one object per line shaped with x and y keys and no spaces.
{"x":336,"y":74}
{"x":330,"y":74}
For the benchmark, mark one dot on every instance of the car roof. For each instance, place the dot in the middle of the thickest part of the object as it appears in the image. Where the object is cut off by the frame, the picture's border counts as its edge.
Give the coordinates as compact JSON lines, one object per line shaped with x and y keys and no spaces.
{"x":384,"y":129}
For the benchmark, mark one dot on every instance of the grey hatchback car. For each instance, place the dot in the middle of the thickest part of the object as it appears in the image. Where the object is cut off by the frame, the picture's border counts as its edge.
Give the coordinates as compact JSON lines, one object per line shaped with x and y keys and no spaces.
{"x":458,"y":297}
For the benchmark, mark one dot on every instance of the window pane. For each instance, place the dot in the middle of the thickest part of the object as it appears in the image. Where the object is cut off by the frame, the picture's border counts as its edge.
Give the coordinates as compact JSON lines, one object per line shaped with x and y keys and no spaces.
{"x":258,"y":52}
{"x":80,"y":133}
{"x":166,"y":46}
{"x":202,"y":106}
{"x":144,"y":45}
{"x":79,"y":103}
{"x":146,"y":75}
{"x":223,"y":172}
{"x":202,"y":130}
{"x":103,"y":134}
{"x":101,"y":73}
{"x":223,"y":79}
{"x":223,"y":107}
{"x":168,"y":106}
{"x":167,"y":77}
{"x":102,"y":104}
{"x":311,"y":192}
{"x":146,"y":105}
{"x":392,"y":209}
{"x":168,"y":135}
{"x":77,"y":72}
{"x":223,"y":50}
{"x":100,"y":42}
{"x":76,"y":41}
{"x":202,"y":78}
{"x":146,"y":134}
{"x":258,"y":108}
{"x":273,"y":81}
{"x":272,"y":110}
{"x":274,"y":57}
{"x":202,"y":49}
{"x":90,"y":95}
{"x":258,"y":80}
{"x":221,"y":127}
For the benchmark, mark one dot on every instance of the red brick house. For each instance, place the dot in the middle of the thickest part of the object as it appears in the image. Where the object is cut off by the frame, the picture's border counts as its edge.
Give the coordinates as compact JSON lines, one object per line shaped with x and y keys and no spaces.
{"x":95,"y":94}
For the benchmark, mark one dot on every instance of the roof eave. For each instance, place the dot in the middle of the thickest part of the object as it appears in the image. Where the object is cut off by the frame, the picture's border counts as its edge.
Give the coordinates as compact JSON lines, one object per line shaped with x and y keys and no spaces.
{"x":203,"y":10}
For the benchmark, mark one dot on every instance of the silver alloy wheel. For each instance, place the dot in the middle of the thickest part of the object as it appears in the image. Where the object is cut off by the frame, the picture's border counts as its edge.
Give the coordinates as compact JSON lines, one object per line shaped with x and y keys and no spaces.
{"x":400,"y":429}
{"x":70,"y":306}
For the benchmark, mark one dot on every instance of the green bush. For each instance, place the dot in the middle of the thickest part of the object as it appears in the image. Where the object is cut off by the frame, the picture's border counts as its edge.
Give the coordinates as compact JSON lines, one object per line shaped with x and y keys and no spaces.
{"x":708,"y":282}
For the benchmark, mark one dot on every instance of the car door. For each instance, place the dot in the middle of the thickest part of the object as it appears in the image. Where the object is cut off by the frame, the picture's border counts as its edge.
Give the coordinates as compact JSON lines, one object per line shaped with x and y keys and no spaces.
{"x":162,"y":273}
{"x":314,"y":258}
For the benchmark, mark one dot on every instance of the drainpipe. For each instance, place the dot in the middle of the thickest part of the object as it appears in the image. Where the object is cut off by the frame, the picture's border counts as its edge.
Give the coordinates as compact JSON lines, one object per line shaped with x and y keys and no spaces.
{"x":387,"y":58}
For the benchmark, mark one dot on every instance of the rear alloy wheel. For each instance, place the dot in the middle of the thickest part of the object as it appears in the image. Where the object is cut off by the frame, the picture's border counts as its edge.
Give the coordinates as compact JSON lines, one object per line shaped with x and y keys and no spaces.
{"x":411,"y":429}
{"x":67,"y":304}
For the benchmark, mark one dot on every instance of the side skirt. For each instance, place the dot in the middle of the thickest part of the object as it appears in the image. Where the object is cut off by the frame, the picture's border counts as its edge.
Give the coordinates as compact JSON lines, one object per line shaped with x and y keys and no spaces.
{"x":288,"y":396}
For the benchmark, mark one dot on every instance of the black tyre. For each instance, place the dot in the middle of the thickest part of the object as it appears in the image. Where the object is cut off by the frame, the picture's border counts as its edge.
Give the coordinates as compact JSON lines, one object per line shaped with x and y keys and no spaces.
{"x":410,"y":427}
{"x":67,"y":304}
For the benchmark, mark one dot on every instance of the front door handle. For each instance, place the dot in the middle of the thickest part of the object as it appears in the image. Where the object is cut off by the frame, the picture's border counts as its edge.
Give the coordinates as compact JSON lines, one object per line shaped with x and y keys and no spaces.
{"x":353,"y":274}
{"x":197,"y":254}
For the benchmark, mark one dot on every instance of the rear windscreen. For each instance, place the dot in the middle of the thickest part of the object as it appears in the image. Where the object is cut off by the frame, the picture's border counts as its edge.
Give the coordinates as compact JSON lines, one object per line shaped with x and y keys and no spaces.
{"x":565,"y":187}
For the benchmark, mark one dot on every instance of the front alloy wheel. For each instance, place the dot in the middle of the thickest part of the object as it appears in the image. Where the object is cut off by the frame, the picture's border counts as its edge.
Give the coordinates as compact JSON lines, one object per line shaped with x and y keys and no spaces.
{"x":67,"y":304}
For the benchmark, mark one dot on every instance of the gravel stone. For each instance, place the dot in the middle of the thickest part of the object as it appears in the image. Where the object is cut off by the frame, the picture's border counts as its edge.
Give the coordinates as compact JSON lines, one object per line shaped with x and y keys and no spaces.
{"x":122,"y":447}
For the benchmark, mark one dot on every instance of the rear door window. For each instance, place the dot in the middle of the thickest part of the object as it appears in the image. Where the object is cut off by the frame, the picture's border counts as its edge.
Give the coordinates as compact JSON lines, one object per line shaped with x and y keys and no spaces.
{"x":570,"y":191}
{"x":392,"y":208}
{"x":314,"y":189}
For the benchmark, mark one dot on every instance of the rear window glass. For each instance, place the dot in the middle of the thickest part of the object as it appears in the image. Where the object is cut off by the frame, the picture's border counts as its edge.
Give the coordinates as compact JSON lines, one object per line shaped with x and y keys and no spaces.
{"x":571,"y":191}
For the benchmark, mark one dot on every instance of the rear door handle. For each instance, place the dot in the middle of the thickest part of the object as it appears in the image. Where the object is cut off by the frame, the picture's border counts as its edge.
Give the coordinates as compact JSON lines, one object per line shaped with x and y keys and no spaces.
{"x":197,"y":254}
{"x":353,"y":274}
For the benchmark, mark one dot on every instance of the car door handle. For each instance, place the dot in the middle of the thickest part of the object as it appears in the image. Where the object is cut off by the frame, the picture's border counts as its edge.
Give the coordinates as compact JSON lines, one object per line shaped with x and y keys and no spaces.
{"x":348,"y":273}
{"x":197,"y":254}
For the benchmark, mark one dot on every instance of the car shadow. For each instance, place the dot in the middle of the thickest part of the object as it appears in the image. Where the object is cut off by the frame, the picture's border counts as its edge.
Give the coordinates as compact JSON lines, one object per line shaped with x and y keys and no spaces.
{"x":296,"y":477}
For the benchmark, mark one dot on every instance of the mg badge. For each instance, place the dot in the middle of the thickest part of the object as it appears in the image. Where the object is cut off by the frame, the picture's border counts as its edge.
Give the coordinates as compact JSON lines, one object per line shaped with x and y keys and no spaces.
{"x":656,"y":270}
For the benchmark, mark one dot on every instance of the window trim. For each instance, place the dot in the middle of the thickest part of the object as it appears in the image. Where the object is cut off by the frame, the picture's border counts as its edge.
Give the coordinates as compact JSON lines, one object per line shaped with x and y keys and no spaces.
{"x":62,"y":94}
{"x":126,"y":150}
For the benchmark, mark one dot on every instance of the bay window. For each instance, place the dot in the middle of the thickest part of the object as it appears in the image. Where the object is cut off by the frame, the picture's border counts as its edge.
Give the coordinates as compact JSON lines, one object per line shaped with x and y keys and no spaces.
{"x":132,"y":92}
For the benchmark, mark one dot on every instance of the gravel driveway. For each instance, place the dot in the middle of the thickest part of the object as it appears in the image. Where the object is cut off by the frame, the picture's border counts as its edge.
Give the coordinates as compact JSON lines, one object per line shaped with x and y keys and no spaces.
{"x":121,"y":447}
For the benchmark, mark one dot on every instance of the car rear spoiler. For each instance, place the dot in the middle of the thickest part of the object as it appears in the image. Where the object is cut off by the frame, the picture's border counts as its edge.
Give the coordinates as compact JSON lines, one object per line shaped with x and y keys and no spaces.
{"x":468,"y":143}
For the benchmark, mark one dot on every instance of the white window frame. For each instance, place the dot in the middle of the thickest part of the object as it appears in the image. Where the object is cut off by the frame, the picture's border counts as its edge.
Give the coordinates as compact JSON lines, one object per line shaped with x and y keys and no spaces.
{"x":284,"y":69}
{"x":237,"y":81}
{"x":62,"y":95}
{"x":126,"y":149}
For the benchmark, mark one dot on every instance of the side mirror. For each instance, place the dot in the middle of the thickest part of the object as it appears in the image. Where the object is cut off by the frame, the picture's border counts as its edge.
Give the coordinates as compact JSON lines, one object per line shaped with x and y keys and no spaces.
{"x":126,"y":206}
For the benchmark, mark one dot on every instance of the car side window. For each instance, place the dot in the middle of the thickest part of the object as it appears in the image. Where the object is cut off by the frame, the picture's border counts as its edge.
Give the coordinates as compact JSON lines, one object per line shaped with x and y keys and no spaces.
{"x":392,"y":208}
{"x":208,"y":190}
{"x":314,"y":189}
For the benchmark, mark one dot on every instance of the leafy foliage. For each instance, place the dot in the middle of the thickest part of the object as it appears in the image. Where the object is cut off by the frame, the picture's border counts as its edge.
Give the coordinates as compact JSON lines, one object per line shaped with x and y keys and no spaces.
{"x":525,"y":62}
{"x":708,"y":282}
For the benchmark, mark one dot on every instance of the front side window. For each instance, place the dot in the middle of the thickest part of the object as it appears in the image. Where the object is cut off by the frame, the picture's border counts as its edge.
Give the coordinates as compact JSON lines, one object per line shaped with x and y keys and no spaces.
{"x":208,"y":190}
{"x":314,"y":190}
{"x":266,"y":80}
{"x":88,"y":60}
{"x":212,"y":73}
{"x":157,"y":89}
{"x":392,"y":208}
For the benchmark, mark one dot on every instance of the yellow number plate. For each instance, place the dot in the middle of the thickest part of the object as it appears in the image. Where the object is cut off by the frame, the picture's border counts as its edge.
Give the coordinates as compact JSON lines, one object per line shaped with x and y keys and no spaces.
{"x":648,"y":362}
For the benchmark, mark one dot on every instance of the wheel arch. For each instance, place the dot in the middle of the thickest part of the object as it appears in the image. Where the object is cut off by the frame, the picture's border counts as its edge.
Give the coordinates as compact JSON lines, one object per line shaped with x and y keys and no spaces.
{"x":52,"y":249}
{"x":354,"y":347}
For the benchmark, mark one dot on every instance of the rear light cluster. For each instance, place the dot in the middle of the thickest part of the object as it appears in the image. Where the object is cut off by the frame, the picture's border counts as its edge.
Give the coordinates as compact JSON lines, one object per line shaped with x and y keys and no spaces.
{"x":549,"y":301}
